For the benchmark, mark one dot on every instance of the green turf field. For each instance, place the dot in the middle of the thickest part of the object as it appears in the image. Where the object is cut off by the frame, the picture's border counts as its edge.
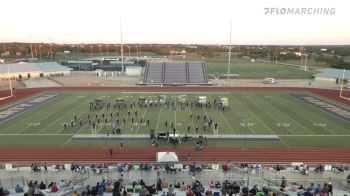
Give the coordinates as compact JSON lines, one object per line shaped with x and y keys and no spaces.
{"x":247,"y":69}
{"x":296,"y":122}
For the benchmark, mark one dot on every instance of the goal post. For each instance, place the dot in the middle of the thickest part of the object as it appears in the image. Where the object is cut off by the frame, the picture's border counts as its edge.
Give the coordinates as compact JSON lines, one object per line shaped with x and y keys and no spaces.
{"x":6,"y":90}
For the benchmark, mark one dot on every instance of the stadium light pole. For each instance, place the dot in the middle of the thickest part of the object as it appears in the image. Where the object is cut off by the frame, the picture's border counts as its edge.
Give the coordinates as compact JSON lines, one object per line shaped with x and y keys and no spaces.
{"x":229,"y":55}
{"x":4,"y":49}
{"x":31,"y":47}
{"x":50,"y":48}
{"x":140,"y":48}
{"x":79,"y":55}
{"x":137,"y":52}
{"x":36,"y":51}
{"x":129,"y":50}
{"x":40,"y":51}
{"x":121,"y":44}
{"x":100,"y":53}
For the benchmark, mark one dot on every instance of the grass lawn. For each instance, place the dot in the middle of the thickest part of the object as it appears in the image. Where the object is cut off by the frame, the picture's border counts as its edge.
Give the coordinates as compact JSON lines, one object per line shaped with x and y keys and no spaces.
{"x":247,"y":69}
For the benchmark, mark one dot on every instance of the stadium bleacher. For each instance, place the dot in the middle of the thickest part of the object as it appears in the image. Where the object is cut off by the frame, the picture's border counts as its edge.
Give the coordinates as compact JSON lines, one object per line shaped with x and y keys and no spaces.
{"x":179,"y":72}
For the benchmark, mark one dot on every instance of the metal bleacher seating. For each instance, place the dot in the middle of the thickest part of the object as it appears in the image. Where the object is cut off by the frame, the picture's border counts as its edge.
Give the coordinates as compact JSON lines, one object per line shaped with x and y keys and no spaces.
{"x":179,"y":72}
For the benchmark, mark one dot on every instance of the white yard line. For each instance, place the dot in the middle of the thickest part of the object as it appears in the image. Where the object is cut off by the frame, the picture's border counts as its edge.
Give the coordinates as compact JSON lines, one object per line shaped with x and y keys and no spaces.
{"x":223,"y":117}
{"x":213,"y":129}
{"x":325,"y":128}
{"x":29,"y":116}
{"x":296,"y":122}
{"x":193,"y":127}
{"x":58,"y":119}
{"x":267,"y":127}
{"x":144,"y":113}
{"x":272,"y":117}
{"x":68,"y":140}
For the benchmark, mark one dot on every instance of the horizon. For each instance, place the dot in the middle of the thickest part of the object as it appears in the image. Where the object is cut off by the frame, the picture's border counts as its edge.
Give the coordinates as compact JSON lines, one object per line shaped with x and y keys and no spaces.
{"x":158,"y":22}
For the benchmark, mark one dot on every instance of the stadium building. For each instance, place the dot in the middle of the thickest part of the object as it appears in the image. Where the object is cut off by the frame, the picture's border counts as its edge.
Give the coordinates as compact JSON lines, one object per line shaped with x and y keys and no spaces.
{"x":32,"y":70}
{"x":334,"y":76}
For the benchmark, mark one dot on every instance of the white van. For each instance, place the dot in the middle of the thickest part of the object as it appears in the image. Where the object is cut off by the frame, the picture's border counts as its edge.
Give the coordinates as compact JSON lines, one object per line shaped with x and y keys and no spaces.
{"x":270,"y":81}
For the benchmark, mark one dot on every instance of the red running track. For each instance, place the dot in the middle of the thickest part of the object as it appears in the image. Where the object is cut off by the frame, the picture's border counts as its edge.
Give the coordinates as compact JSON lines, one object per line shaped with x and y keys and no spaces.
{"x":237,"y":155}
{"x":143,"y":155}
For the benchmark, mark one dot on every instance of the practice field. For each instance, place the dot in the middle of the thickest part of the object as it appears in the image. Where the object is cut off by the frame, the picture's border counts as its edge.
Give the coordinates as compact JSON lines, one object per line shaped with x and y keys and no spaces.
{"x":299,"y":119}
{"x":244,"y":68}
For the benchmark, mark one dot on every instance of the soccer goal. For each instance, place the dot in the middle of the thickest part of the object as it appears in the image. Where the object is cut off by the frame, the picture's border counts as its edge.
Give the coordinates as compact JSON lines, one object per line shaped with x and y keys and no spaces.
{"x":344,"y":87}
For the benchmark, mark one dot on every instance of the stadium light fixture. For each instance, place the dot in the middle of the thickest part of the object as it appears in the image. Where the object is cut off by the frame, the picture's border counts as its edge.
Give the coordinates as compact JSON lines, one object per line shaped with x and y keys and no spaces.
{"x":229,"y":55}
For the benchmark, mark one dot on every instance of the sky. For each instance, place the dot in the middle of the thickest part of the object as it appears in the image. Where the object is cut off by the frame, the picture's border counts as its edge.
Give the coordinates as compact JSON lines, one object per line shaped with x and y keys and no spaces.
{"x":170,"y":22}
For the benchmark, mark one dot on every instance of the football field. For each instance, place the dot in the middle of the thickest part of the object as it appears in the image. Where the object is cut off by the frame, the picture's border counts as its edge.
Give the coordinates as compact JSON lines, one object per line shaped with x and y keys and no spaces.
{"x":299,"y":119}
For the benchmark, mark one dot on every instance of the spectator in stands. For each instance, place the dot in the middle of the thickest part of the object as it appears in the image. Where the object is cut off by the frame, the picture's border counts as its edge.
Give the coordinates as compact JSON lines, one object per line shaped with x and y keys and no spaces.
{"x":18,"y":189}
{"x":31,"y":190}
{"x":318,"y":189}
{"x":42,"y":186}
{"x":284,"y":181}
{"x":86,"y":191}
{"x":109,"y":188}
{"x":54,"y":188}
{"x":38,"y":192}
{"x":159,"y":185}
{"x":116,"y":188}
{"x":348,"y":181}
{"x":134,"y":183}
{"x":295,"y":187}
{"x":75,"y":193}
{"x":36,"y":185}
{"x":62,"y":184}
{"x":209,"y":193}
{"x":142,"y":183}
{"x":143,"y":192}
{"x":4,"y":192}
{"x":323,"y":193}
{"x":189,"y":192}
{"x":330,"y":189}
{"x":69,"y":186}
{"x":171,"y":190}
{"x":164,"y":183}
{"x":100,"y":190}
{"x":183,"y":186}
{"x":301,"y":190}
{"x":103,"y":184}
